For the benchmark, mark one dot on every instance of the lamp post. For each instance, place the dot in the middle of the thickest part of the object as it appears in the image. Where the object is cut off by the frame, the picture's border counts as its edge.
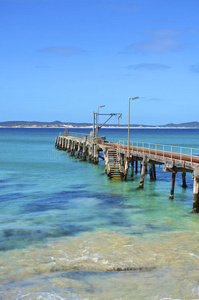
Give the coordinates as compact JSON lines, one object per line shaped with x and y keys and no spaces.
{"x":97,"y":121}
{"x":129,"y":123}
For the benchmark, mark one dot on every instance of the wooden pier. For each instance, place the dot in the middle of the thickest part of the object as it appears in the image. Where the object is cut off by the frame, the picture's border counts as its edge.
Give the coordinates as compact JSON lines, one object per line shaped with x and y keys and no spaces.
{"x":119,"y":158}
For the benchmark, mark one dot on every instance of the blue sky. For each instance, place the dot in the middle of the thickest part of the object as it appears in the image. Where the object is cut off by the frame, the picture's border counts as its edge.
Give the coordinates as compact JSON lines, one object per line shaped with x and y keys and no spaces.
{"x":60,"y":59}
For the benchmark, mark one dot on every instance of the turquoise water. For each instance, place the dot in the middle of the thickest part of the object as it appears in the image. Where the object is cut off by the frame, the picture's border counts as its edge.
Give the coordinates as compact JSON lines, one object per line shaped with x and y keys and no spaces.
{"x":68,"y":232}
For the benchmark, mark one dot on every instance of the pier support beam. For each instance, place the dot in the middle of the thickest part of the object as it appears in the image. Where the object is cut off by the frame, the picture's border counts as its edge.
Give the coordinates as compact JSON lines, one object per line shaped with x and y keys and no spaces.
{"x":184,"y":184}
{"x":196,"y":191}
{"x":151,"y":172}
{"x":106,"y":160}
{"x":59,"y":143}
{"x":172,"y":184}
{"x":143,"y":171}
{"x":126,"y":166}
{"x":84,"y":150}
{"x":62,"y":143}
{"x":68,"y":146}
{"x":132,"y":168}
{"x":136,"y":166}
{"x":154,"y":172}
{"x":122,"y":160}
{"x":95,"y":154}
{"x":78,"y":151}
{"x":89,"y":153}
{"x":72,"y":152}
{"x":65,"y":144}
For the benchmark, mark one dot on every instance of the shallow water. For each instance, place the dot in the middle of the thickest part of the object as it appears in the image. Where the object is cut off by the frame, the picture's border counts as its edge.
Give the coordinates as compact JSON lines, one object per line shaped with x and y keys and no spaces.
{"x":68,"y":232}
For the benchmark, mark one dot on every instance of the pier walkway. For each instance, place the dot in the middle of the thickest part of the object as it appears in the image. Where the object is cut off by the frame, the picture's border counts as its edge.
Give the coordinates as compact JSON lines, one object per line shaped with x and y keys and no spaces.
{"x":120,"y":157}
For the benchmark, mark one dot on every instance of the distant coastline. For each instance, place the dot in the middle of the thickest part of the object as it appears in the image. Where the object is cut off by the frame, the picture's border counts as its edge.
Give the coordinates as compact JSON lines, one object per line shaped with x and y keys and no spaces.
{"x":70,"y":125}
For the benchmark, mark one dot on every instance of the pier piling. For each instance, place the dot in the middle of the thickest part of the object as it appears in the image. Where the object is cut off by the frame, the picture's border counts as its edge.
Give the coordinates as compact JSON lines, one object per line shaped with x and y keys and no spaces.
{"x":151,"y":172}
{"x":172,"y":184}
{"x":143,"y":171}
{"x":196,"y":191}
{"x":184,"y":184}
{"x":132,"y":168}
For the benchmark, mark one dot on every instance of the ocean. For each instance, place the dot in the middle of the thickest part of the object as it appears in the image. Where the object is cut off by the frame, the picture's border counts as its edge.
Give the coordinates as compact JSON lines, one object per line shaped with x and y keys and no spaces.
{"x":68,"y":232}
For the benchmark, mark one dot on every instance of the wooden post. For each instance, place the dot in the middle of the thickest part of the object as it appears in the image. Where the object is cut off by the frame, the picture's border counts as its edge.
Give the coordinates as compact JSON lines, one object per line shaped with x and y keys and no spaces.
{"x":132,"y":167}
{"x":106,"y":160}
{"x":126,"y":167}
{"x":66,"y":132}
{"x":84,"y":148}
{"x":64,"y":144}
{"x":196,"y":191}
{"x":56,"y":142}
{"x":68,"y":145}
{"x":89,"y":153}
{"x":59,"y":142}
{"x":72,"y":153}
{"x":184,"y":184}
{"x":136,"y":166}
{"x":78,"y":151}
{"x":151,"y":171}
{"x":154,"y":172}
{"x":172,"y":184}
{"x":143,"y":171}
{"x":96,"y":154}
{"x":122,"y":159}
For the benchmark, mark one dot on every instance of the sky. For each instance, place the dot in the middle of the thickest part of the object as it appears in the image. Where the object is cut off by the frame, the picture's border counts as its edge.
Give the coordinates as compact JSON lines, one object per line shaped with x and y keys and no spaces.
{"x":61,"y":59}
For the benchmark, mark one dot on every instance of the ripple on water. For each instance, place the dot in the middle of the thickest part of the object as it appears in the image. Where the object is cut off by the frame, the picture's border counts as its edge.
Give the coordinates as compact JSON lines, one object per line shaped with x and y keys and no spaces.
{"x":103,"y":263}
{"x":11,"y":196}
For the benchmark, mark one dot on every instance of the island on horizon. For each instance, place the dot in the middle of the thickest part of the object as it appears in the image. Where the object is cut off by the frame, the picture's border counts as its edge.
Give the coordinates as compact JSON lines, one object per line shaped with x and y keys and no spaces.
{"x":59,"y":124}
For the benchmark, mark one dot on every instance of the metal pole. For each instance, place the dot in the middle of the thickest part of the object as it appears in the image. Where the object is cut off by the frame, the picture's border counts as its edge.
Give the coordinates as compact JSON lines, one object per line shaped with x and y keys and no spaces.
{"x":97,"y":123}
{"x":93,"y":125}
{"x":128,"y":127}
{"x":129,"y":123}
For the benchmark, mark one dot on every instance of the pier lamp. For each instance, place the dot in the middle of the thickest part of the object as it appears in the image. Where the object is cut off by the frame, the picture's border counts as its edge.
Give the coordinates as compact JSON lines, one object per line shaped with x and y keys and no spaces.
{"x":129,"y":123}
{"x":97,"y":121}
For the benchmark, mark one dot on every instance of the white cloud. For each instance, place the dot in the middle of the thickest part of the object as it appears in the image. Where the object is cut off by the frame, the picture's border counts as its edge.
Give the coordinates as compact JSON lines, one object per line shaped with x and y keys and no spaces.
{"x":157,"y":41}
{"x":68,"y":51}
{"x":148,"y":66}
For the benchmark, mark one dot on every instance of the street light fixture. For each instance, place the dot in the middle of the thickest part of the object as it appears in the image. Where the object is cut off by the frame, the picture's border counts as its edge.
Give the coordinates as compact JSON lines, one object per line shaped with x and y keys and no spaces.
{"x":129,"y":123}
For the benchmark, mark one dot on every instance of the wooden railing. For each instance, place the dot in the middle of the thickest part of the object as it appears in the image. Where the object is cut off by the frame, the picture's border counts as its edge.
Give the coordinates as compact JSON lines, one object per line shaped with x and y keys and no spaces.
{"x":166,"y":151}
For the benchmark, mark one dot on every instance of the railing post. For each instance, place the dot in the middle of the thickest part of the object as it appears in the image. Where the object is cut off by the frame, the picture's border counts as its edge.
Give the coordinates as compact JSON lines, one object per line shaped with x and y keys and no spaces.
{"x":180,"y":154}
{"x":191,"y":155}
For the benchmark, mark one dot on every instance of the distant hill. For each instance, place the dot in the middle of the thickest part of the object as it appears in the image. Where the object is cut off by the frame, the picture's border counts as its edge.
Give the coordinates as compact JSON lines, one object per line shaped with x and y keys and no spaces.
{"x":64,"y":124}
{"x":40,"y":124}
{"x":187,"y":125}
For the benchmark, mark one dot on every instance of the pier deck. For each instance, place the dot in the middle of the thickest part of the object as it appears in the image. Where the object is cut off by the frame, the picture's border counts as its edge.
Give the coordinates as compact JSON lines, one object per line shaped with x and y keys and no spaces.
{"x":119,"y":157}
